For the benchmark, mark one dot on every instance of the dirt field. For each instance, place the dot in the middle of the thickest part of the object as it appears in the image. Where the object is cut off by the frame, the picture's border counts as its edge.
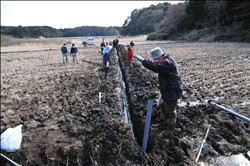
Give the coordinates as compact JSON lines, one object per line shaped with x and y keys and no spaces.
{"x":65,"y":122}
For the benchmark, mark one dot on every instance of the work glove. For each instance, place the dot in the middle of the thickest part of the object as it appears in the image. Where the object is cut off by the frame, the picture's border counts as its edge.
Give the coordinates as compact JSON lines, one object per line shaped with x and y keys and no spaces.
{"x":140,"y":58}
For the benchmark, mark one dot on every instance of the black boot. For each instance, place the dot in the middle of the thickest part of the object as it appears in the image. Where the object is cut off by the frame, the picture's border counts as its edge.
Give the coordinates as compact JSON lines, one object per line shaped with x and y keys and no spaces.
{"x":106,"y":72}
{"x":169,"y":132}
{"x":162,"y":125}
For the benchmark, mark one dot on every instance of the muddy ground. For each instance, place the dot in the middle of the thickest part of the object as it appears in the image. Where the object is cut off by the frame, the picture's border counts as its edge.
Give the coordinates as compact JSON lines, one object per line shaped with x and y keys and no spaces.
{"x":66,"y":123}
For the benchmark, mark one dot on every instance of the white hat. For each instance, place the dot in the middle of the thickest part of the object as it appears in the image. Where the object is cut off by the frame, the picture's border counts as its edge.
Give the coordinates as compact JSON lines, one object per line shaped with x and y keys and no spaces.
{"x":156,"y":53}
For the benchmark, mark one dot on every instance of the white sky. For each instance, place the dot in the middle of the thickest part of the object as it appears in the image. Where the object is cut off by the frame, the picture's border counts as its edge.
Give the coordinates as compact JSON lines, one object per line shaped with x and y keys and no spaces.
{"x":70,"y":14}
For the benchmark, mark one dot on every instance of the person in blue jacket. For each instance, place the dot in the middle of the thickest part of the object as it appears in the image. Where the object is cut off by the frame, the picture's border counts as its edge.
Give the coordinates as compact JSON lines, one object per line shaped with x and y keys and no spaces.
{"x":65,"y":51}
{"x":106,"y":58}
{"x":169,"y":82}
{"x":74,"y":52}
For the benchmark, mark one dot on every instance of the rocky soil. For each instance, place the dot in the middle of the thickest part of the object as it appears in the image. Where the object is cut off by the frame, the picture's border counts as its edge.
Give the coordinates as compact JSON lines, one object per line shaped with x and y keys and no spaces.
{"x":65,"y":122}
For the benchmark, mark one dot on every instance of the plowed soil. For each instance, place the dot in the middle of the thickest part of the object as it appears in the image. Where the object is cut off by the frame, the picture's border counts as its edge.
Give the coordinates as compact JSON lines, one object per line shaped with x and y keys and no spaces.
{"x":66,"y":122}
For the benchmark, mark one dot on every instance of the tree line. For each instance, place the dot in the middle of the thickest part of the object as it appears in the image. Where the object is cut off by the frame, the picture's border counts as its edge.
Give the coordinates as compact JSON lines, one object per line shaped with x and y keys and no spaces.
{"x":50,"y":32}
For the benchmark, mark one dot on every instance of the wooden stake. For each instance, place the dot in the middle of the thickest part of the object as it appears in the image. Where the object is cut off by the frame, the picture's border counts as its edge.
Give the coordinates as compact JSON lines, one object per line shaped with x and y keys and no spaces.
{"x":100,"y":96}
{"x":199,"y":153}
{"x":158,"y":102}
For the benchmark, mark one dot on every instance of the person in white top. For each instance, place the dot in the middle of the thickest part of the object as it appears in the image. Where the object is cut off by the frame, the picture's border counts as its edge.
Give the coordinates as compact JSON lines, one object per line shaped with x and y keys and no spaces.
{"x":106,"y":58}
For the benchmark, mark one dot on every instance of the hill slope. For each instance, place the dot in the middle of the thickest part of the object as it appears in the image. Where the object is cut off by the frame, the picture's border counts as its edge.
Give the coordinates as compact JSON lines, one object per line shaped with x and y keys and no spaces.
{"x":206,"y":21}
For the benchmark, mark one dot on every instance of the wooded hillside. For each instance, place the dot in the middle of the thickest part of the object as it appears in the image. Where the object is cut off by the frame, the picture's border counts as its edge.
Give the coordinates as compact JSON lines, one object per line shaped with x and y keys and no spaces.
{"x":146,"y":20}
{"x":206,"y":21}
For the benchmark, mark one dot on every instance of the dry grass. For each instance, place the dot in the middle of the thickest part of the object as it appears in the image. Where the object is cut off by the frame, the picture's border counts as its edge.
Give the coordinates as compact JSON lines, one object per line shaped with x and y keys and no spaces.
{"x":11,"y":41}
{"x":10,"y":44}
{"x":8,"y":41}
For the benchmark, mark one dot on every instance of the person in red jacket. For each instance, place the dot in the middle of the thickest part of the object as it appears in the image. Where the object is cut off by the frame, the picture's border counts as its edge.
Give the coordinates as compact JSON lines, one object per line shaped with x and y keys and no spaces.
{"x":130,"y":56}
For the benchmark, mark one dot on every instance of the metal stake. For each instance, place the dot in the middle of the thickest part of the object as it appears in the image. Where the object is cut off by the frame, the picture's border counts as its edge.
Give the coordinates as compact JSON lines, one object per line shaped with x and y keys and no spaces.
{"x":147,"y":125}
{"x":10,"y":160}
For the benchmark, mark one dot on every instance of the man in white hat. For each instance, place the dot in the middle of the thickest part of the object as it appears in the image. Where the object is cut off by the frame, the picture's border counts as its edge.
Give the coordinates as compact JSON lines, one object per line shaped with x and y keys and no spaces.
{"x":170,"y":84}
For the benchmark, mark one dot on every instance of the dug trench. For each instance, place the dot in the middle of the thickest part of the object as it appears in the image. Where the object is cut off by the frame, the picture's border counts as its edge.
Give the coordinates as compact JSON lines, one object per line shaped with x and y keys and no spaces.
{"x":66,"y":123}
{"x":228,"y":135}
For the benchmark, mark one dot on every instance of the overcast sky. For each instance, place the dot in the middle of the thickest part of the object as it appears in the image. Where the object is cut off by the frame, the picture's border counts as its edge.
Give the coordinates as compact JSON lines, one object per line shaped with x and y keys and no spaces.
{"x":70,"y":14}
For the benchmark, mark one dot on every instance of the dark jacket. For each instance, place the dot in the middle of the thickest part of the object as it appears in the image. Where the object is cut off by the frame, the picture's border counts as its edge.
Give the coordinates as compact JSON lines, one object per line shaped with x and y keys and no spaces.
{"x":64,"y":49}
{"x":132,"y":44}
{"x":102,"y":44}
{"x":73,"y":49}
{"x":169,"y":79}
{"x":115,"y":43}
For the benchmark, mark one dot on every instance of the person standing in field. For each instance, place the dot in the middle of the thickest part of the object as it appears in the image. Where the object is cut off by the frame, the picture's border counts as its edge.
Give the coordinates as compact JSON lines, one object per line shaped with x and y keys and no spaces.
{"x":110,"y":43}
{"x":65,"y":51}
{"x":130,"y":57}
{"x":73,"y":52}
{"x":102,"y":46}
{"x":132,"y":44}
{"x":170,"y":85}
{"x":106,"y":58}
{"x":115,"y":44}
